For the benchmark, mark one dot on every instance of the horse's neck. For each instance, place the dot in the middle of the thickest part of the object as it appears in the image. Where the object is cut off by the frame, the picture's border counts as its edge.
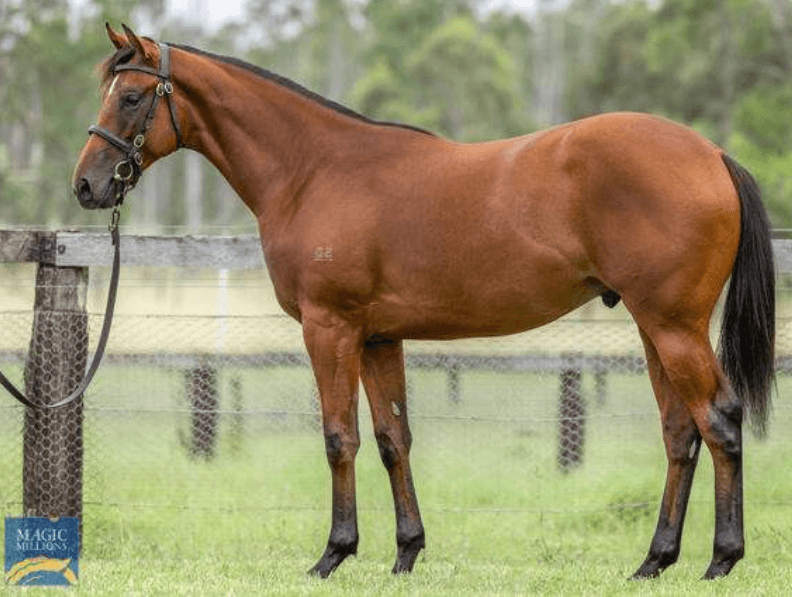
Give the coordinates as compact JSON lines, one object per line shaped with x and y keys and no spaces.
{"x":263,"y":138}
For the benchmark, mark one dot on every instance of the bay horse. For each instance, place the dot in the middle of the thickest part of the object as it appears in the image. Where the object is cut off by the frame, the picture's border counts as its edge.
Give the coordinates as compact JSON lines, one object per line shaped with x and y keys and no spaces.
{"x":375,"y":232}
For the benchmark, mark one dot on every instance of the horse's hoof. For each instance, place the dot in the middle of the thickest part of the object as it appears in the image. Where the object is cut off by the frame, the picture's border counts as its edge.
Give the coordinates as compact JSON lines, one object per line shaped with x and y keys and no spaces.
{"x":407,"y":553}
{"x":331,"y":559}
{"x":322,"y":569}
{"x":651,"y":568}
{"x":718,"y":569}
{"x":642,"y":574}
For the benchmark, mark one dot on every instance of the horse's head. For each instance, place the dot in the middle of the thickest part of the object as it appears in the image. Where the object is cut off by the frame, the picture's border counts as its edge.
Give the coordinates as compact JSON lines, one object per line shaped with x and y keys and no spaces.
{"x":134,"y":130}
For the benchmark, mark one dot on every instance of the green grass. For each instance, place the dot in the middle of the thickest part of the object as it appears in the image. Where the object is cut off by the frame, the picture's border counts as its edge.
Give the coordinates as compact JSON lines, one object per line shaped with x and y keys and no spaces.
{"x":500,"y":518}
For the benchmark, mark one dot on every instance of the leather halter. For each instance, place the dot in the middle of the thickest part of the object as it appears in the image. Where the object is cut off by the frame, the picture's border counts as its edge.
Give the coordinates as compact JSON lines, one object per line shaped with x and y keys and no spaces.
{"x":128,"y":171}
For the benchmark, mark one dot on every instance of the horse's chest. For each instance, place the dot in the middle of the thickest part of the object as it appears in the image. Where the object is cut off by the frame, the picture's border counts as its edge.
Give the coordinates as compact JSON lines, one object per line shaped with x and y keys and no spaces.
{"x":285,"y":282}
{"x":317,"y":273}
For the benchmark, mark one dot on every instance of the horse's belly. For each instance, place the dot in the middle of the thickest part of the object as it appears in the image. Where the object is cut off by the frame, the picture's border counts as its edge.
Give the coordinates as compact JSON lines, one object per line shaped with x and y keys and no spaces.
{"x":427,"y":318}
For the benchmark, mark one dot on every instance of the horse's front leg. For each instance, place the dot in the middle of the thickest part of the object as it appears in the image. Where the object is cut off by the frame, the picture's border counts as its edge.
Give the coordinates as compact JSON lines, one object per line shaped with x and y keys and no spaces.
{"x":334,"y":347}
{"x":383,"y":379}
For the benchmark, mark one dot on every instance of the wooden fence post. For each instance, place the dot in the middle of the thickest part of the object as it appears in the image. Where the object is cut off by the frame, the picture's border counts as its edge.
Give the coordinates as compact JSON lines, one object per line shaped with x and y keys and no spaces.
{"x":53,"y":439}
{"x":454,"y":392}
{"x":236,"y":431}
{"x":601,"y":381}
{"x":204,"y":399}
{"x":571,"y":414}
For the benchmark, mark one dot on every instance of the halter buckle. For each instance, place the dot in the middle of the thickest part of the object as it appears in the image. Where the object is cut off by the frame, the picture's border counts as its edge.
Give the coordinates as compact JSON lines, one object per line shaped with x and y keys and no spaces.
{"x":124,"y":171}
{"x":164,"y":87}
{"x":139,"y":141}
{"x":114,"y":218}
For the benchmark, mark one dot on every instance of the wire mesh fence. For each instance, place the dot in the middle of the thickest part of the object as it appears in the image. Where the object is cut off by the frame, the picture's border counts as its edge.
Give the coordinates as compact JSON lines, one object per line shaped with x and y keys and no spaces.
{"x":203,"y":411}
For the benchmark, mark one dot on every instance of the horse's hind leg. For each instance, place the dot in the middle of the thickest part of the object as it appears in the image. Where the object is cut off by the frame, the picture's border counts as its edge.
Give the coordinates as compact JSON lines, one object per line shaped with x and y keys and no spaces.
{"x":382,"y":373}
{"x":682,"y":443}
{"x":695,"y":376}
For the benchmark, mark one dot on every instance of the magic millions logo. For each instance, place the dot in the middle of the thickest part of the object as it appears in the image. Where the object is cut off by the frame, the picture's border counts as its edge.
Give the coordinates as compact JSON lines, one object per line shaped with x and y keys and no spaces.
{"x":41,"y":551}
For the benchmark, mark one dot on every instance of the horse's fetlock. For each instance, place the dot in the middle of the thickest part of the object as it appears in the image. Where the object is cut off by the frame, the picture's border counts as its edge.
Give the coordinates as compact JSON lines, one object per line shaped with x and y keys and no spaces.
{"x":667,"y":556}
{"x":345,"y":543}
{"x":665,"y":548}
{"x":729,"y":547}
{"x":411,"y":537}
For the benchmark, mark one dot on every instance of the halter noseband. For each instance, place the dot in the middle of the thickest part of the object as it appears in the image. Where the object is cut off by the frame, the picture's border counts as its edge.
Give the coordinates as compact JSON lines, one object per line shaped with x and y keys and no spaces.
{"x":128,"y":171}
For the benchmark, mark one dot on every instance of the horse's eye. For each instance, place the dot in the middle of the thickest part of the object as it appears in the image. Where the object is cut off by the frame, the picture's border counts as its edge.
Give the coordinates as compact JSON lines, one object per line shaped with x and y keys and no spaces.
{"x":130,"y":100}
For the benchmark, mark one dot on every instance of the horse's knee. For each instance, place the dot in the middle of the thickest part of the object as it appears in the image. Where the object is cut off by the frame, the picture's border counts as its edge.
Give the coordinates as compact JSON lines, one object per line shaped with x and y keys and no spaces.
{"x":389,"y":453}
{"x":340,"y":451}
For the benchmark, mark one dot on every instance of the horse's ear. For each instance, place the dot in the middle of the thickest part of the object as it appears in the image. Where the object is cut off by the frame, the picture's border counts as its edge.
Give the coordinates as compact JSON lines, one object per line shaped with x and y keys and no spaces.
{"x":116,"y":38}
{"x":137,"y":44}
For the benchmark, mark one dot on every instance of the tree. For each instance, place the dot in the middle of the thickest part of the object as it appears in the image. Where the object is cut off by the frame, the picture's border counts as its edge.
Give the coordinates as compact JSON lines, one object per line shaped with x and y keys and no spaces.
{"x":43,"y":94}
{"x":454,"y":77}
{"x":517,"y":37}
{"x":48,"y":90}
{"x":469,"y":79}
{"x":721,"y":66}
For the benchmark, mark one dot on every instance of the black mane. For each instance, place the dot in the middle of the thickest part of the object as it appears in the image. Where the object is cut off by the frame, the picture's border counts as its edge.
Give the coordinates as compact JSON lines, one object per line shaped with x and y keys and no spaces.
{"x":296,"y":87}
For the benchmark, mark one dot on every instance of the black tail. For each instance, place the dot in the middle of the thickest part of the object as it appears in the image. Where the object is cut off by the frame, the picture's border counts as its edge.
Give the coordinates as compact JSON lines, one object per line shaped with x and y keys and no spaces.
{"x":747,"y":340}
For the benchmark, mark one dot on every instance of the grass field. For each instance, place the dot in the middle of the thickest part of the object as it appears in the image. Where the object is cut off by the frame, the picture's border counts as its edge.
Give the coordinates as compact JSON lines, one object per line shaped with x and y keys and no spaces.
{"x":500,"y":518}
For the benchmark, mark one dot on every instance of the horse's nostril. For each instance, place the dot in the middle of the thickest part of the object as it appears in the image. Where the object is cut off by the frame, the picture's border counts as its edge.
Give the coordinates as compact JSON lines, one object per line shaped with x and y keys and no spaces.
{"x":83,"y":191}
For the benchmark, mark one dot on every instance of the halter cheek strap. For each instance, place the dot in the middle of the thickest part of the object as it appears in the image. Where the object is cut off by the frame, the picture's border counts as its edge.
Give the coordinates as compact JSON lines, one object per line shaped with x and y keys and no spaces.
{"x":128,"y":171}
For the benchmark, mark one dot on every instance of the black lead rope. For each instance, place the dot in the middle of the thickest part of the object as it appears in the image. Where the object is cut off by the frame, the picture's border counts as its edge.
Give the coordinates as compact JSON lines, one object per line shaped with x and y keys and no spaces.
{"x":100,"y":347}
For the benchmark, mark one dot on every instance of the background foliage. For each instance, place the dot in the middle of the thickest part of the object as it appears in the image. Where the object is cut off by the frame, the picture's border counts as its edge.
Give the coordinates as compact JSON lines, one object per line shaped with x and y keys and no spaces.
{"x":454,"y":66}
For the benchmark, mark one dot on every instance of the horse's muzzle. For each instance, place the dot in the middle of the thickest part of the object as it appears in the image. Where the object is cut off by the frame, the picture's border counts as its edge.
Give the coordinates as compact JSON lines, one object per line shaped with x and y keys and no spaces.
{"x":86,"y":194}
